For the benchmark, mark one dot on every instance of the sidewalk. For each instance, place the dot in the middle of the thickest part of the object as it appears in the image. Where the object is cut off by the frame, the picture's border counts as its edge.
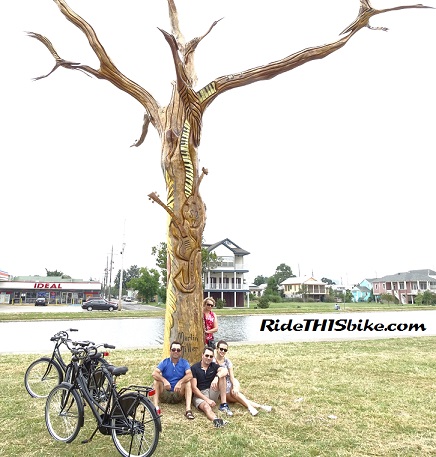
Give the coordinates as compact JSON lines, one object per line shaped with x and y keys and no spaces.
{"x":30,"y":308}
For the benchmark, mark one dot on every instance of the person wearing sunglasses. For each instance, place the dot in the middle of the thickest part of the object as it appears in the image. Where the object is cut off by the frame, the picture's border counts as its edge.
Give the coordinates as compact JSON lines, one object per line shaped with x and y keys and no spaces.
{"x":233,"y":393}
{"x":208,"y":383}
{"x":210,"y":322}
{"x":172,"y":380}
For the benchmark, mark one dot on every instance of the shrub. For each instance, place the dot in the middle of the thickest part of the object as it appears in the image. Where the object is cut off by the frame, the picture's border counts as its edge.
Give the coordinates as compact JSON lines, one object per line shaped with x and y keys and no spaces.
{"x":274,"y":298}
{"x":220,"y":303}
{"x":264,"y":302}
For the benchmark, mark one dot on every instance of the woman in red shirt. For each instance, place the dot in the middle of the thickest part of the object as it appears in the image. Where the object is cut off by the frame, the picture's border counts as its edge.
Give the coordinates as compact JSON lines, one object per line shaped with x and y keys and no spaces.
{"x":210,"y":322}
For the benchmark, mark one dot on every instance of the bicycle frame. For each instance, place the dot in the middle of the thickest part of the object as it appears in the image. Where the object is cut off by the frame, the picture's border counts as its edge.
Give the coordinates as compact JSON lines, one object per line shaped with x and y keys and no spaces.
{"x":104,"y":415}
{"x":56,"y":357}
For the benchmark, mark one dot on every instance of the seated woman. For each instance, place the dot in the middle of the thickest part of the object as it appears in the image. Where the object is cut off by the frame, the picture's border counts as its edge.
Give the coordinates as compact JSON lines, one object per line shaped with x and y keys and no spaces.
{"x":233,"y":393}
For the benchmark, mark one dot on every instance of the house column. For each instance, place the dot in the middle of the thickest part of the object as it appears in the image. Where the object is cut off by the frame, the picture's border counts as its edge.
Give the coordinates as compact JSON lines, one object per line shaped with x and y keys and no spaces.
{"x":235,"y":292}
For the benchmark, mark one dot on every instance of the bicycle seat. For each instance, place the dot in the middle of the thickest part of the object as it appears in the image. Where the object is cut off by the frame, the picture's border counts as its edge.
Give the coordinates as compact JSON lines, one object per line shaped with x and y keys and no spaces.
{"x":117,"y":371}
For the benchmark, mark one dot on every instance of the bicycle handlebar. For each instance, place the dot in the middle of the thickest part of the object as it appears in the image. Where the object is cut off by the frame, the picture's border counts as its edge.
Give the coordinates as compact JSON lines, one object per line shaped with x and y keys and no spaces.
{"x":90,"y":350}
{"x":63,"y":334}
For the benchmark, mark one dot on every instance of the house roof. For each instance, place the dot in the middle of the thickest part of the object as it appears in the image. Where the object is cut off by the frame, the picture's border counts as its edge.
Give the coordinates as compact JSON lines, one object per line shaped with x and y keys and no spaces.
{"x":229,"y":244}
{"x":302,"y":280}
{"x":412,"y":275}
{"x":362,"y":289}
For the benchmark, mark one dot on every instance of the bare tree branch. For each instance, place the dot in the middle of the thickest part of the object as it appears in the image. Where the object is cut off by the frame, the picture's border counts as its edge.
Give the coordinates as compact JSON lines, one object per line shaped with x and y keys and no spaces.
{"x":189,"y":51}
{"x":144,"y":131}
{"x":59,"y":61}
{"x":175,"y":27}
{"x":265,"y":72}
{"x":366,"y":12}
{"x":186,"y":49}
{"x":107,"y":70}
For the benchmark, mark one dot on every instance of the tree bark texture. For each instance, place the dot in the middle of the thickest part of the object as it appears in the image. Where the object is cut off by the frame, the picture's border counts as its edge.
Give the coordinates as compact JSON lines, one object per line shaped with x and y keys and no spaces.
{"x":179,"y":127}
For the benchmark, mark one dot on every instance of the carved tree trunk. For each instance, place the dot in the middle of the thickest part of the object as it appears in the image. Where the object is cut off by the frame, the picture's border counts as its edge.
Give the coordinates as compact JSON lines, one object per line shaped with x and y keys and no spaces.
{"x":186,"y":221}
{"x":179,"y":127}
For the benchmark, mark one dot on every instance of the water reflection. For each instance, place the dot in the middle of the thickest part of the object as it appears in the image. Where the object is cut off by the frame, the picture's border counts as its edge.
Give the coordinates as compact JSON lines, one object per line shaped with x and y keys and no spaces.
{"x":34,"y":337}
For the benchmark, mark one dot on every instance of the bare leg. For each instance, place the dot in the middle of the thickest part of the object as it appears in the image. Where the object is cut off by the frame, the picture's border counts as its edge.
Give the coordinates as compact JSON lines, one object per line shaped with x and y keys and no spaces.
{"x":250,"y":404}
{"x":158,"y":387}
{"x":187,"y":392}
{"x":222,"y":386}
{"x":205,"y":407}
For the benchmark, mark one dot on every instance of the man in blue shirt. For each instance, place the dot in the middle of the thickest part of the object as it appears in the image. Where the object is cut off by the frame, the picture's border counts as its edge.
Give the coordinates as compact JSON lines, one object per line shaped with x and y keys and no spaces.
{"x":172,"y":380}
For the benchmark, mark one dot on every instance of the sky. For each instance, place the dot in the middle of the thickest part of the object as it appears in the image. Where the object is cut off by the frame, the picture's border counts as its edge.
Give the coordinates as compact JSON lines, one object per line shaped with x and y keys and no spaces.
{"x":328,"y":168}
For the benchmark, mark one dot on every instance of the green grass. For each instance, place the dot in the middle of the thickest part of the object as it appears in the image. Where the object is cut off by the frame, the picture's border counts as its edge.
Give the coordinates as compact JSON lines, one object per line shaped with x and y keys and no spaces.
{"x":274,"y":308}
{"x":341,"y":399}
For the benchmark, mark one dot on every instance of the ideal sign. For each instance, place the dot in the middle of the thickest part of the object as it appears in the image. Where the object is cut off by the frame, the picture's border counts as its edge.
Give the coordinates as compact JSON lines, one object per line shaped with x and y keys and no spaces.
{"x":47,"y":285}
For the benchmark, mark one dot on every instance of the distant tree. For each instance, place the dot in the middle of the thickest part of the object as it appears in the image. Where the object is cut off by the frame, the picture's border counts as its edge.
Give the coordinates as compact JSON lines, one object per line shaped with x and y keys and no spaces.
{"x":128,"y":275}
{"x":328,"y":281}
{"x":303,"y":291}
{"x":57,"y":273}
{"x":272,"y":287}
{"x":258,"y":280}
{"x":160,"y":252}
{"x":147,"y":284}
{"x":283,"y":272}
{"x":53,"y":272}
{"x":209,"y":261}
{"x":348,"y":296}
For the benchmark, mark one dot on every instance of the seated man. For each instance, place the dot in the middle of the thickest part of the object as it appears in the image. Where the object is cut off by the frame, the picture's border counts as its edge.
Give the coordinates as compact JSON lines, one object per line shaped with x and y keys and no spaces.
{"x":172,"y":380}
{"x":208,"y":383}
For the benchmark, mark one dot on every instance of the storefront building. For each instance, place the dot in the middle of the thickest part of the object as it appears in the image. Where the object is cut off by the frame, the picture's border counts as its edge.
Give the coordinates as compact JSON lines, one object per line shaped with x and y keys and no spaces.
{"x":56,"y":290}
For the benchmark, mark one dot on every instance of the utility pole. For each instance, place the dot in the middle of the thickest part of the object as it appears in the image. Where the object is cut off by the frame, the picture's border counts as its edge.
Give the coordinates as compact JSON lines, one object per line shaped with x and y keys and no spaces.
{"x":105,"y":278}
{"x":110,"y":271}
{"x":120,"y":293}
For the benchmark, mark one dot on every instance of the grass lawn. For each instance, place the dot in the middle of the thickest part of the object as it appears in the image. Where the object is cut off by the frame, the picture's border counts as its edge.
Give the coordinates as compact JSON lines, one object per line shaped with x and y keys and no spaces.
{"x":353,"y":398}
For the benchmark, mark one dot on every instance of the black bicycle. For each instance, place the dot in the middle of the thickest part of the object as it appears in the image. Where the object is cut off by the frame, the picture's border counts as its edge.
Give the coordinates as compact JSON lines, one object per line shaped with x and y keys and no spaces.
{"x":126,"y":414}
{"x":45,"y":373}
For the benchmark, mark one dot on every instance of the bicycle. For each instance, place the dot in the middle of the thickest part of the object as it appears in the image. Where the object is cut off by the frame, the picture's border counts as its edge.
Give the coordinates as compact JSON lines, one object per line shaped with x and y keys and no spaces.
{"x":47,"y":372}
{"x":127,"y":414}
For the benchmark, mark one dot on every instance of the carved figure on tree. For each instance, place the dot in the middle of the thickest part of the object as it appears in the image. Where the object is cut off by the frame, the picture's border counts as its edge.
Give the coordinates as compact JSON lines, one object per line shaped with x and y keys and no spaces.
{"x":179,"y":126}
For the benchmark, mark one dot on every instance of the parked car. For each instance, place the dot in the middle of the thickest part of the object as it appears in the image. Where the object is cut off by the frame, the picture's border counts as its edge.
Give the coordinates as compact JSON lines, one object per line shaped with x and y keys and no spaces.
{"x":41,"y":301}
{"x":128,"y":299}
{"x":99,"y":304}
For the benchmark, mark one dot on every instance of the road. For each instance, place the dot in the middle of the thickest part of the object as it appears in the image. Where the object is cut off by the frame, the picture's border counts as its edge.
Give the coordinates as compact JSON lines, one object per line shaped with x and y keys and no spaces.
{"x":30,"y":308}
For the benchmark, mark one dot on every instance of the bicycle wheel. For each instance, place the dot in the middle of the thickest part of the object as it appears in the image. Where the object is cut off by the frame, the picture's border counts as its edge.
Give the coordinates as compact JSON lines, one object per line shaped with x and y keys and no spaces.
{"x":42,"y":376}
{"x":63,"y":413}
{"x":135,"y":426}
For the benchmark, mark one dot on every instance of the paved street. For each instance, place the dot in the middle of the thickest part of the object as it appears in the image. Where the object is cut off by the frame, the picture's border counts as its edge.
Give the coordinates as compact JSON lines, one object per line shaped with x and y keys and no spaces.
{"x":31,"y":308}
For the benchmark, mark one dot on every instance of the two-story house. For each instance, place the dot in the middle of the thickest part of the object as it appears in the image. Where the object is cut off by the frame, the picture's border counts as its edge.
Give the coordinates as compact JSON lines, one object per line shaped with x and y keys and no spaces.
{"x":226,"y":281}
{"x":305,"y":286}
{"x":362,"y":291}
{"x":405,"y":286}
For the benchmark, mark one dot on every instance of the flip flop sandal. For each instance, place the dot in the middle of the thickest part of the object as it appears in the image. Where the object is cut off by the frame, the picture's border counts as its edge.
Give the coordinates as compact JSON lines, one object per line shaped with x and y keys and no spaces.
{"x":189,"y":415}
